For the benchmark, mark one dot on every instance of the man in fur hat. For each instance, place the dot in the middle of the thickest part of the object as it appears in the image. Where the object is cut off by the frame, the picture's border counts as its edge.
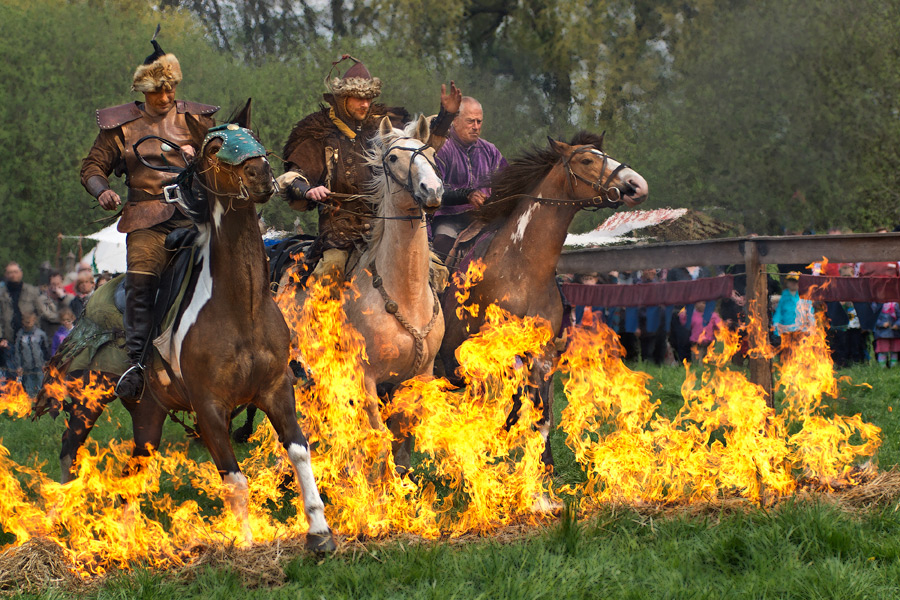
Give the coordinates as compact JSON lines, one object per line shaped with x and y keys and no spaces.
{"x":324,"y":154}
{"x":145,"y":217}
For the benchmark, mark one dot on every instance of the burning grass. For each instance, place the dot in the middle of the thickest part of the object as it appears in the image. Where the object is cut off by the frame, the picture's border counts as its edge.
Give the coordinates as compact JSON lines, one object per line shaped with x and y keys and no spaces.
{"x":719,"y":448}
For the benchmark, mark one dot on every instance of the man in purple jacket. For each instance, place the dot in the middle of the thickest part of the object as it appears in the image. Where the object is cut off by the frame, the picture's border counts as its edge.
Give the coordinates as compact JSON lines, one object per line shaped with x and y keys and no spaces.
{"x":466,"y":163}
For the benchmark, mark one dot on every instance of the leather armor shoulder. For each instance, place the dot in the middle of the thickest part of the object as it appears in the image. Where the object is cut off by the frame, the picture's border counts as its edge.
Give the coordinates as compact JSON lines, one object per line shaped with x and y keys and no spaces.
{"x":195,"y":108}
{"x":114,"y":116}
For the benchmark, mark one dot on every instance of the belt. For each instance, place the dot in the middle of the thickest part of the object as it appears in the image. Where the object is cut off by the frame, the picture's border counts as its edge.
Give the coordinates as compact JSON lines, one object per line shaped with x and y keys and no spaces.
{"x":136,"y":195}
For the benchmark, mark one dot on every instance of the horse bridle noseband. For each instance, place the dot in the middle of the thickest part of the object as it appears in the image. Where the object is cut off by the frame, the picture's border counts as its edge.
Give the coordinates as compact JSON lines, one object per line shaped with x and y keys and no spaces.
{"x":408,"y":185}
{"x":607,"y":195}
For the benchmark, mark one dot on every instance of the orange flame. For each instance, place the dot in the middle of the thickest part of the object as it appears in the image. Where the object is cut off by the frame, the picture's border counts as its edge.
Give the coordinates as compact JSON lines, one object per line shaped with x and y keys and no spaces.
{"x":474,"y":474}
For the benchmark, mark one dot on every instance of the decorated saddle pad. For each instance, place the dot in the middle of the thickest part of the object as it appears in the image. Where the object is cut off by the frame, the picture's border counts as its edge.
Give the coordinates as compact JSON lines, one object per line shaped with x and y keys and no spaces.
{"x":97,"y":343}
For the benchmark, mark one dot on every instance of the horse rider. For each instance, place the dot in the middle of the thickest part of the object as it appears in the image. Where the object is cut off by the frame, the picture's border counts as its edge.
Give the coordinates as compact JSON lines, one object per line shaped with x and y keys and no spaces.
{"x":466,"y":163}
{"x":146,"y":218}
{"x":324,"y":164}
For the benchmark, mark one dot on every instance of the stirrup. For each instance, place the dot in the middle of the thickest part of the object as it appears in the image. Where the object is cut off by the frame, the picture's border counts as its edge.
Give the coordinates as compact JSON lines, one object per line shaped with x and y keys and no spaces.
{"x":138,"y":369}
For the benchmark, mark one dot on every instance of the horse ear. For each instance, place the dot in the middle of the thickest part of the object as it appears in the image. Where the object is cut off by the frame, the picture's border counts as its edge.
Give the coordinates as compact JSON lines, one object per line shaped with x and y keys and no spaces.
{"x":423,"y":131}
{"x":243,"y":117}
{"x":558,"y":147}
{"x":600,"y":143}
{"x":385,"y":127}
{"x":198,"y":130}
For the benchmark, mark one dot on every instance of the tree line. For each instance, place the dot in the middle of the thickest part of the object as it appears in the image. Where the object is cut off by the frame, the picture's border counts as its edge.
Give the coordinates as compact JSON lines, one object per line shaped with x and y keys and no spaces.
{"x":774,"y":116}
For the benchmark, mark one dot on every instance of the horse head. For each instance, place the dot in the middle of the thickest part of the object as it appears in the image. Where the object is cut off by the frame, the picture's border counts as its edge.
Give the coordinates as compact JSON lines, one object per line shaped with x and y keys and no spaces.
{"x":231,"y":164}
{"x":406,"y":159}
{"x":593,"y":174}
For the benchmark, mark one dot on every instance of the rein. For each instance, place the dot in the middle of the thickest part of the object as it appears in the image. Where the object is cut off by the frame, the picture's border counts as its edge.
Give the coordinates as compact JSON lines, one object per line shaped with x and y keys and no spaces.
{"x":607,"y":197}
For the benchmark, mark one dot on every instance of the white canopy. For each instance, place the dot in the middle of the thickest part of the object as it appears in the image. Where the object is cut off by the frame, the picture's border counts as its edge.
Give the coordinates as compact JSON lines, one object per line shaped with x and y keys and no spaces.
{"x":109,"y":253}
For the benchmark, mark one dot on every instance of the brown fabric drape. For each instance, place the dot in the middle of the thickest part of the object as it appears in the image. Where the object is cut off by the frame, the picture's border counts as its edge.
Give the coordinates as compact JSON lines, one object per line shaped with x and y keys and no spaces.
{"x":850,"y":289}
{"x":664,"y":293}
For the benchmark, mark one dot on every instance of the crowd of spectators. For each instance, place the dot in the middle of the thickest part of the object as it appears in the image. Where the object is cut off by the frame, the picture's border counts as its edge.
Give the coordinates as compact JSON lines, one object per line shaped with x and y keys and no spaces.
{"x":35,"y":319}
{"x":857,"y":332}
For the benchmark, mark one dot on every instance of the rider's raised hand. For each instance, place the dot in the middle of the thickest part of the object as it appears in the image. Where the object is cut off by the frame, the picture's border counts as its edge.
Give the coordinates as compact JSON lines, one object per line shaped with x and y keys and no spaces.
{"x":318,"y":193}
{"x":451,"y":101}
{"x":109,"y":200}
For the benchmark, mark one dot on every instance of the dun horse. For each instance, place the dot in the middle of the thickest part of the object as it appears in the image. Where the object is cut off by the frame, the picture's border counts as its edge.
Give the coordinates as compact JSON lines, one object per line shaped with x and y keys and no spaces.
{"x":396,"y":309}
{"x":533,"y":202}
{"x":230,"y":344}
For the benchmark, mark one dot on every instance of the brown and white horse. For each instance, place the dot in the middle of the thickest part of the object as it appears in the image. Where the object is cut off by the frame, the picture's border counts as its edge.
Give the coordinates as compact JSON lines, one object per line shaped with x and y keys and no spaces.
{"x":532,"y":204}
{"x":230,"y":343}
{"x":394,"y":306}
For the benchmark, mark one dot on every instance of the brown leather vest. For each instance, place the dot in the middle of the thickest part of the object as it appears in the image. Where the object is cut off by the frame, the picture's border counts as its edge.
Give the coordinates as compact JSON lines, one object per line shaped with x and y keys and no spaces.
{"x":171,"y":126}
{"x":346,"y":226}
{"x":144,"y":207}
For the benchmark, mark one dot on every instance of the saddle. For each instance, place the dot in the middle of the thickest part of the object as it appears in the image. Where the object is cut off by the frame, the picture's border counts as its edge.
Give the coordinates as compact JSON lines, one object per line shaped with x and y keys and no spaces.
{"x":283,"y":255}
{"x":472,"y":244}
{"x":97,"y":343}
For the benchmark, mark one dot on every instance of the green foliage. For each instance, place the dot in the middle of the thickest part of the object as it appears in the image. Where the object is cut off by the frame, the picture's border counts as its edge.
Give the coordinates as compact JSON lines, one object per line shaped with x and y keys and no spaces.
{"x":771,"y":115}
{"x":783,"y":117}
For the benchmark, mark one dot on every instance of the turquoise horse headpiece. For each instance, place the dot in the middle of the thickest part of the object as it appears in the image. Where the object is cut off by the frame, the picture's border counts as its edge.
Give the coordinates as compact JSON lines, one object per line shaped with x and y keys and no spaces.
{"x":238,"y":144}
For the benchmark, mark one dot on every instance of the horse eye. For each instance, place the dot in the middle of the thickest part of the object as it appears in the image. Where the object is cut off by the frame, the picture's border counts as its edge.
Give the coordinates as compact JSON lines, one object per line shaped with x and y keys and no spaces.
{"x":393,"y":158}
{"x":586,"y":161}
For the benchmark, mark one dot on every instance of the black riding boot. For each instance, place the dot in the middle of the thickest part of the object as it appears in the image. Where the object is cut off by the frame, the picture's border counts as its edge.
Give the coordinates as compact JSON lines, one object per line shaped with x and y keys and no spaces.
{"x":140,"y":296}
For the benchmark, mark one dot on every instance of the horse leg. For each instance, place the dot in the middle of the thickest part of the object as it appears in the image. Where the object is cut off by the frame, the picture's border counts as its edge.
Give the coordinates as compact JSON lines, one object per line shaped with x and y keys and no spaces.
{"x":147,"y":419}
{"x":540,"y":391}
{"x":82,"y":418}
{"x":212,"y":422}
{"x":278,"y":405}
{"x":242,"y":434}
{"x":543,"y":396}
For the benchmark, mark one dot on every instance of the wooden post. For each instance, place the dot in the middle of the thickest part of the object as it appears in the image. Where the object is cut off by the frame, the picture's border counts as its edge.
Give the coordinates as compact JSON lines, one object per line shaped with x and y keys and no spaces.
{"x":757,"y":306}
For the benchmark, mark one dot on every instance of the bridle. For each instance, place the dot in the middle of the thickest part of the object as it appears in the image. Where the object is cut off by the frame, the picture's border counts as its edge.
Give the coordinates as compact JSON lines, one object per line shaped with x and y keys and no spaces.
{"x":238,"y":146}
{"x":408,"y":184}
{"x":607,"y":196}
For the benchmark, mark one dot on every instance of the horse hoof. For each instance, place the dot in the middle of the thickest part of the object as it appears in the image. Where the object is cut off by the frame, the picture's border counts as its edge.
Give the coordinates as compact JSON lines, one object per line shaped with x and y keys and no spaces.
{"x":320,"y":543}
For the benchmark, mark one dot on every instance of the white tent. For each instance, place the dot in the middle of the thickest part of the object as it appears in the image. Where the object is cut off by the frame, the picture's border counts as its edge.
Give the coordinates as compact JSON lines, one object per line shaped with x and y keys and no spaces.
{"x":109,"y":253}
{"x":615,"y":228}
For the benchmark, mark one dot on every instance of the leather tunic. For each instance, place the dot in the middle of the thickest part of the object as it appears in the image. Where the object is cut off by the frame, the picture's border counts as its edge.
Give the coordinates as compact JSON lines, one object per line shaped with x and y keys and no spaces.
{"x":122,"y":126}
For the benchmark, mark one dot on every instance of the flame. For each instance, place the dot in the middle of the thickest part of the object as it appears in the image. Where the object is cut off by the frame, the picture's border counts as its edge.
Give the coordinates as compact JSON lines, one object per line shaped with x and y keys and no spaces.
{"x":724,"y":440}
{"x":474,"y":471}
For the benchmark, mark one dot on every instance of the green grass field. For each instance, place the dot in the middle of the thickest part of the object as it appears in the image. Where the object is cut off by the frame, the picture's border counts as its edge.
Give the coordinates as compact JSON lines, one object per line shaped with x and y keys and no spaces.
{"x":799,"y":549}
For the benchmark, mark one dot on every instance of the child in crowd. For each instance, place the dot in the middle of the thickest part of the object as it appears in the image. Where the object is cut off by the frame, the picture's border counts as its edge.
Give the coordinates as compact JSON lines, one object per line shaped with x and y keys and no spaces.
{"x":793,"y":316}
{"x":702,"y":333}
{"x":31,"y":350}
{"x":887,"y":334}
{"x":67,"y":318}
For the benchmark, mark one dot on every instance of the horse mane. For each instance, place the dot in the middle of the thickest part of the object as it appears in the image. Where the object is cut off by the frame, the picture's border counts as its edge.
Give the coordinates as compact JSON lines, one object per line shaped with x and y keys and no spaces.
{"x":377,"y":187}
{"x":523,"y":173}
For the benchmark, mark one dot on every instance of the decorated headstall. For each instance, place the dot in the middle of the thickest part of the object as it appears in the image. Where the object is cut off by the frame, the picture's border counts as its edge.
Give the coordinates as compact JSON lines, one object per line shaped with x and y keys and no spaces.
{"x":419,"y":151}
{"x":238,"y":145}
{"x":607,"y":196}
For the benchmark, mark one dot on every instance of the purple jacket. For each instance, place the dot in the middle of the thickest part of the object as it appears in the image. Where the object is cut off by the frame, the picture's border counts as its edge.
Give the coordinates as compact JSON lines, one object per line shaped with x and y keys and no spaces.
{"x":465,"y":168}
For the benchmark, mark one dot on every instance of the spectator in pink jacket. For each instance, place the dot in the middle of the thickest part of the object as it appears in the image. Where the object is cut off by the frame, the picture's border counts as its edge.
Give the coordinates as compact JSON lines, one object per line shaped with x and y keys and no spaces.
{"x":702,"y":333}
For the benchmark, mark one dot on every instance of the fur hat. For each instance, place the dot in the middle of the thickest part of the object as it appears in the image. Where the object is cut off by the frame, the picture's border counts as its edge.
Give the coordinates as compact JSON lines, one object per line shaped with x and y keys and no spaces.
{"x":160,"y":70}
{"x":356,"y":82}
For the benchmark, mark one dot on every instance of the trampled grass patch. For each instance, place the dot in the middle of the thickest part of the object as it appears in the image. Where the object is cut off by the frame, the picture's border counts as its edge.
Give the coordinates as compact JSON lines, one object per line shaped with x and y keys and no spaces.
{"x":801,"y":548}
